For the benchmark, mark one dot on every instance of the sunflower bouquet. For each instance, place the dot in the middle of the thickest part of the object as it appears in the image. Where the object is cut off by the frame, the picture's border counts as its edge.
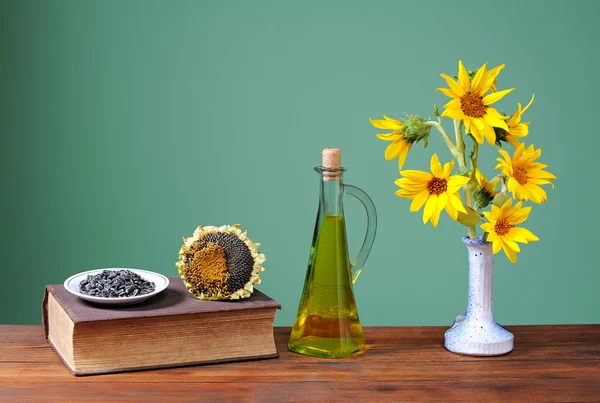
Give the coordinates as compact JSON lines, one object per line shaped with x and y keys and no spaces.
{"x":487,"y":204}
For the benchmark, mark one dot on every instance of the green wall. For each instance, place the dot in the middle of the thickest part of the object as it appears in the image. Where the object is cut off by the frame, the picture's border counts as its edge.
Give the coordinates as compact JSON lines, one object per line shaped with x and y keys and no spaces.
{"x":125,"y":124}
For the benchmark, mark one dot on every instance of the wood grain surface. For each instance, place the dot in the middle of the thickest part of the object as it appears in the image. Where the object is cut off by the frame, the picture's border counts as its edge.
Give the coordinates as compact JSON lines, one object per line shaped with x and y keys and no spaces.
{"x":549,"y":364}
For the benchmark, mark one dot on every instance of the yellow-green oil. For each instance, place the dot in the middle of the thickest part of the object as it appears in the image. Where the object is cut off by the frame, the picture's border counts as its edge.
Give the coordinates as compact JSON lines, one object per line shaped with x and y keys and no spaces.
{"x":327,"y":323}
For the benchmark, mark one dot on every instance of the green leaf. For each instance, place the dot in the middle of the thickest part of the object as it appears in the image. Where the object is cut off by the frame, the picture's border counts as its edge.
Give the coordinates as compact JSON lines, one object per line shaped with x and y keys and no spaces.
{"x":469,"y":219}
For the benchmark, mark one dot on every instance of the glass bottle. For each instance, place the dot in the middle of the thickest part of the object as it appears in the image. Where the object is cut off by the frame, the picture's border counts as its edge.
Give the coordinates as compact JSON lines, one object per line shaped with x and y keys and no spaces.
{"x":327,"y":322}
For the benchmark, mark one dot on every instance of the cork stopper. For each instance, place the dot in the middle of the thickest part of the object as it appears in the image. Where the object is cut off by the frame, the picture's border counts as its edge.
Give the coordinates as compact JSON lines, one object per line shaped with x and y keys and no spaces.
{"x":332,"y":158}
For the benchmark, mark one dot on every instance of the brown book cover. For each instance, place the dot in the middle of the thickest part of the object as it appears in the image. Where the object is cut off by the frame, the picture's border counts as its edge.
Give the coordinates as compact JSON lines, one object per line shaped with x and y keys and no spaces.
{"x":93,"y":339}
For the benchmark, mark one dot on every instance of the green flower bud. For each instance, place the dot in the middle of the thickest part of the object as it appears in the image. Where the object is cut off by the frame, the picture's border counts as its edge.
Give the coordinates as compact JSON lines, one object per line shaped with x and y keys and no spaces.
{"x":500,"y":136}
{"x":482,"y":198}
{"x":415,"y":129}
{"x":501,"y":198}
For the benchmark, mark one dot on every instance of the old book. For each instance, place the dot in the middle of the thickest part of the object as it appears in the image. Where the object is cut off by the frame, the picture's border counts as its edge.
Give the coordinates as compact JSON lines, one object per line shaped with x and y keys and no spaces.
{"x":171,"y":329}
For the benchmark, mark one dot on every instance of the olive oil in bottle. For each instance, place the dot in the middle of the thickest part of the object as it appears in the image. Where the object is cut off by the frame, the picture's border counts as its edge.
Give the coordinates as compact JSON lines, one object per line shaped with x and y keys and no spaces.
{"x":327,"y":323}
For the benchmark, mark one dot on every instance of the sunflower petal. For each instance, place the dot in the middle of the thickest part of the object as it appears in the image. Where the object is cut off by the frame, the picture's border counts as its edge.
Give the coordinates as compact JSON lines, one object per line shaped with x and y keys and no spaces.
{"x":489,"y":132}
{"x":442,"y":202}
{"x":496,"y":246}
{"x":456,"y":182}
{"x":393,"y":150}
{"x":511,"y":254}
{"x":463,"y":77}
{"x":511,"y":244}
{"x":456,"y":203}
{"x":434,"y":164}
{"x":516,"y":117}
{"x":490,"y":79}
{"x":493,"y":112}
{"x":520,"y":130}
{"x":405,"y":194}
{"x":419,"y":201}
{"x":523,"y":235}
{"x":415,"y":175}
{"x":448,"y":168}
{"x":454,"y":86}
{"x":385,"y":124}
{"x":477,"y":80}
{"x":512,"y":140}
{"x":402,"y":155}
{"x":454,"y":104}
{"x":517,"y":214}
{"x":494,"y":121}
{"x":529,"y":104}
{"x":496,"y":96}
{"x":392,"y":120}
{"x":487,"y":227}
{"x":452,"y":212}
{"x":429,"y":208}
{"x":448,"y":92}
{"x":389,"y":136}
{"x":435,"y":217}
{"x":406,"y":184}
{"x":467,"y":122}
{"x":477,"y":134}
{"x":453,"y":113}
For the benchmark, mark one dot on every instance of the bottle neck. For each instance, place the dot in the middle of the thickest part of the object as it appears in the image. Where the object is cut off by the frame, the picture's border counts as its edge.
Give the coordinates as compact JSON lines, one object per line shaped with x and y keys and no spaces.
{"x":331,"y":196}
{"x":332,"y":190}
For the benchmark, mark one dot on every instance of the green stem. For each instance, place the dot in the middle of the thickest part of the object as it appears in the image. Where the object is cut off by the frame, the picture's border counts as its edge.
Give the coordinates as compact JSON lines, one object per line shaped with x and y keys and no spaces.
{"x":474,"y":160}
{"x":460,"y":144}
{"x":445,"y":136}
{"x":462,"y":163}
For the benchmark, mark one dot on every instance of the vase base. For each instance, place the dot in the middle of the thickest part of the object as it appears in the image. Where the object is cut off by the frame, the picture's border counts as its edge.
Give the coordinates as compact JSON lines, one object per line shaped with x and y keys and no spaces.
{"x":476,"y":338}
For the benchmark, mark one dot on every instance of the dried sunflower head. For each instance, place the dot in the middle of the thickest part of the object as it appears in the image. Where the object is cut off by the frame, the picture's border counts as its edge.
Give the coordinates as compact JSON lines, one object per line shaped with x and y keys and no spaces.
{"x":220,"y":263}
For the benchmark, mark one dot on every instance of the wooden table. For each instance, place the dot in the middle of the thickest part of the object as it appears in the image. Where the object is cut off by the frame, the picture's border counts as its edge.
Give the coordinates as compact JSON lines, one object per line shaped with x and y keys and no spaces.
{"x":549,"y":363}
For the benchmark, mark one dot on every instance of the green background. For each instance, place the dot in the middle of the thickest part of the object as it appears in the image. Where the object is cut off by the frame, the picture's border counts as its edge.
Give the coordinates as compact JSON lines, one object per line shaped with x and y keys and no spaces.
{"x":127,"y":124}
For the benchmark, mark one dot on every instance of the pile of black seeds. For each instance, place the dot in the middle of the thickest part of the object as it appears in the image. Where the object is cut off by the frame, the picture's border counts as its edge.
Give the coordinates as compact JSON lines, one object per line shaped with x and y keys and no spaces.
{"x":116,"y":284}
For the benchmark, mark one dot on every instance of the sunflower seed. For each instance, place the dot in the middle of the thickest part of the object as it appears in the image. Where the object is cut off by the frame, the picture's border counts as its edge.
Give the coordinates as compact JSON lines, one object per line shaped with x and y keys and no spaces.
{"x":116,"y":284}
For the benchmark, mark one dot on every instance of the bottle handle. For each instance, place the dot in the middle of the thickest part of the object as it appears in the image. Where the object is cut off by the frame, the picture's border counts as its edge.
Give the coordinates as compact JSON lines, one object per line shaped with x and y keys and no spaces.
{"x":365,"y":249}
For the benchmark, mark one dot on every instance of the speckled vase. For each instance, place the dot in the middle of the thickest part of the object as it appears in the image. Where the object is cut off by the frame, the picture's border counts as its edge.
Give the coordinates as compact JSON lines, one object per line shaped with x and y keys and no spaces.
{"x":476,"y":332}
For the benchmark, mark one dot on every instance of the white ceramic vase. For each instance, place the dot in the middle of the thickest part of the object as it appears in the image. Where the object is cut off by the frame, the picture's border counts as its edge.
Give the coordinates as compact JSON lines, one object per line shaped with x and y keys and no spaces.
{"x":476,"y":332}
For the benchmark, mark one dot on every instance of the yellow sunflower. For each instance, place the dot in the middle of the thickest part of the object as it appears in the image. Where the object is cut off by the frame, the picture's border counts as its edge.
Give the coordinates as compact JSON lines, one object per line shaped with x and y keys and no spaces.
{"x":524,"y":174}
{"x":436,"y":190}
{"x":471,"y":104}
{"x":516,"y":128}
{"x":502,"y":230}
{"x":484,"y":184}
{"x":399,"y":147}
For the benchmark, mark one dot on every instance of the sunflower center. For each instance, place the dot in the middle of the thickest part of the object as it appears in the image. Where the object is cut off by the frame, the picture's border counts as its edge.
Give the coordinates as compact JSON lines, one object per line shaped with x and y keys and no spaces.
{"x":472,"y":105}
{"x":209,"y":266}
{"x":437,"y":186}
{"x":502,"y":227}
{"x":520,"y":175}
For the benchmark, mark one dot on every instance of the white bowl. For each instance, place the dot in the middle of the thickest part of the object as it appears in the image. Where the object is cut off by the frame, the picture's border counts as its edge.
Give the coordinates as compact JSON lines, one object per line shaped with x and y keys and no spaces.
{"x":160,"y":282}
